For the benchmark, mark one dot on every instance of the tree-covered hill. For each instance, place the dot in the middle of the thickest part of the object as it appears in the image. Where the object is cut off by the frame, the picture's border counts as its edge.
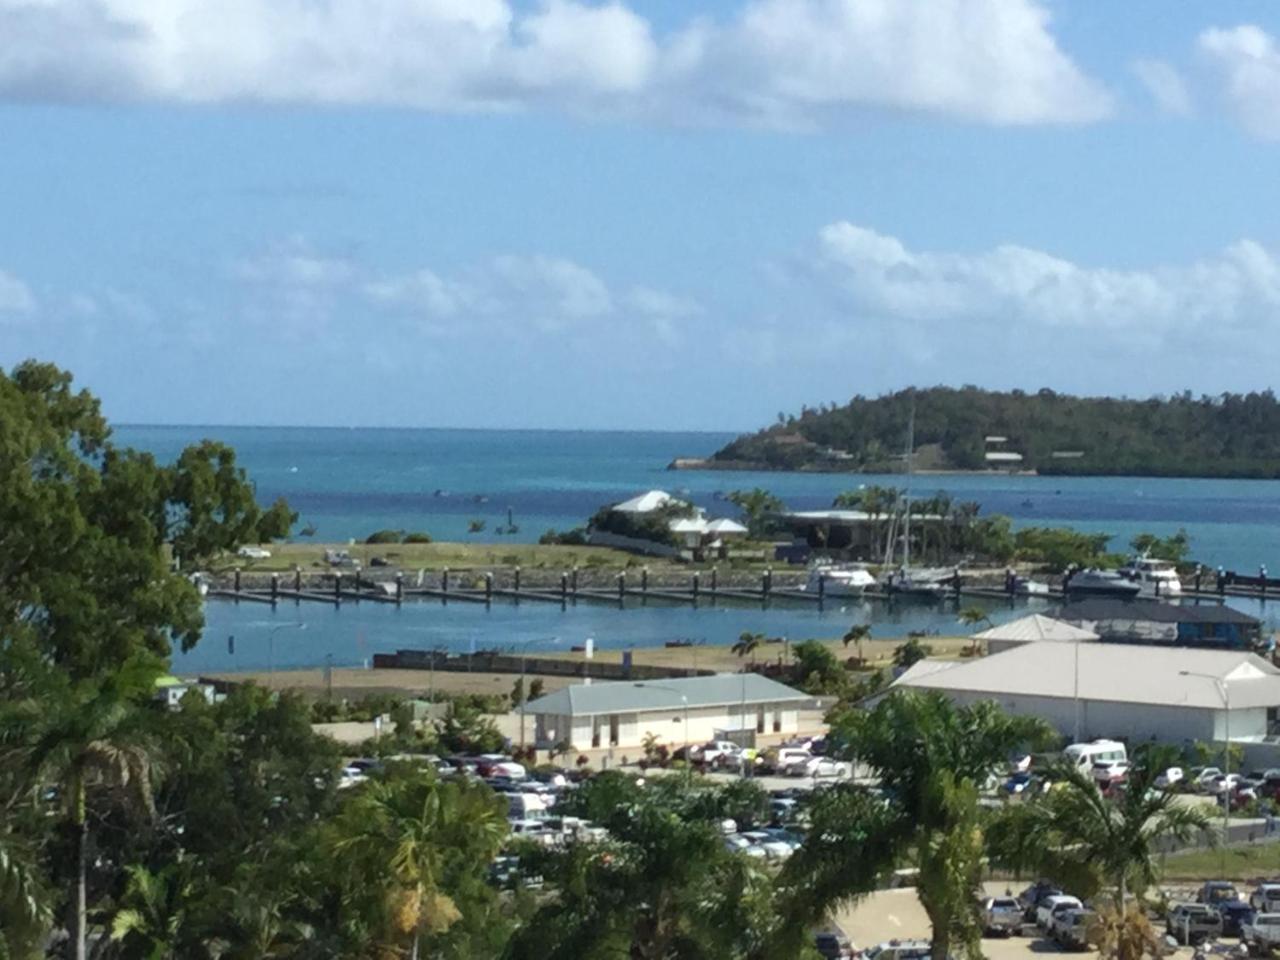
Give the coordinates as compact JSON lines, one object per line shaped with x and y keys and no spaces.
{"x":1230,"y":435}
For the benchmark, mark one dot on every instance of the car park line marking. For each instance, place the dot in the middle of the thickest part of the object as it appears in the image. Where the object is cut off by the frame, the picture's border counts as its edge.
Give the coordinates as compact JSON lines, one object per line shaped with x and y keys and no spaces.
{"x":894,"y":920}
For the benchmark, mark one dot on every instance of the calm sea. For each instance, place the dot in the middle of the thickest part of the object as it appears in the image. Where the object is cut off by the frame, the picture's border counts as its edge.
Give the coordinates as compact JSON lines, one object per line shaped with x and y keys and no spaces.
{"x":349,"y":482}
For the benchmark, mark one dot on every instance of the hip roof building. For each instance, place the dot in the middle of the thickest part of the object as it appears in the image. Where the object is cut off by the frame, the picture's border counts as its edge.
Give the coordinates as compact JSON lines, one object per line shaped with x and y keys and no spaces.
{"x":678,"y":711}
{"x":1121,"y":691}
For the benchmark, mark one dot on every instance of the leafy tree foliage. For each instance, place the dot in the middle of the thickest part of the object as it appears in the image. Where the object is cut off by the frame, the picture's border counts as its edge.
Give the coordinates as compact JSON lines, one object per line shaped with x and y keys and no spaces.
{"x":756,"y":506}
{"x":1229,"y":435}
{"x":931,"y":756}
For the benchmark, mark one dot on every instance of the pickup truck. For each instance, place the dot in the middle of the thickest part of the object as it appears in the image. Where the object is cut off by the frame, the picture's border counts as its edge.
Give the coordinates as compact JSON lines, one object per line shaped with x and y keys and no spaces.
{"x":1001,"y":916}
{"x":1262,"y":934}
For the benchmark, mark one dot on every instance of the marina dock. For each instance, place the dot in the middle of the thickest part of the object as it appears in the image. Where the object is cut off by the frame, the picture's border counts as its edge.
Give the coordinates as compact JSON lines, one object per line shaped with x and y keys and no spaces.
{"x":700,"y":588}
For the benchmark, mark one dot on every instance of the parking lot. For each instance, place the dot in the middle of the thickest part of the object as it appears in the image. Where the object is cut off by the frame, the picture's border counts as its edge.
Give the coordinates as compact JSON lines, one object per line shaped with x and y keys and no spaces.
{"x":897,"y":915}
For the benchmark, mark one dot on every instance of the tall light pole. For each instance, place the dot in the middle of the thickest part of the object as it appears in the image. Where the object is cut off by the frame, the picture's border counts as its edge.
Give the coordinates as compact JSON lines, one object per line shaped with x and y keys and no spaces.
{"x":1224,"y":691}
{"x":688,"y":760}
{"x":524,"y":694}
{"x":271,"y":645}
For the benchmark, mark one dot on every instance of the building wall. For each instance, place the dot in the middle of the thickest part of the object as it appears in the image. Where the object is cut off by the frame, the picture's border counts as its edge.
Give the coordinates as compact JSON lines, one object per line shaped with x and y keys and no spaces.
{"x":669,"y":726}
{"x":1129,"y":721}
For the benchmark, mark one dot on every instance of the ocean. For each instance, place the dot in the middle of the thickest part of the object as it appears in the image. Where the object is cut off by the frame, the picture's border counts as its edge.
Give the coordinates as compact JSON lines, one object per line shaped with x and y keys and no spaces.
{"x":347,"y":483}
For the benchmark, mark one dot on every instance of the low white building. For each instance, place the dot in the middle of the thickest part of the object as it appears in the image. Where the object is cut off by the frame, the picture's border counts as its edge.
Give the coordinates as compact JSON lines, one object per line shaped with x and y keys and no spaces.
{"x":619,"y":715}
{"x":1121,"y":691}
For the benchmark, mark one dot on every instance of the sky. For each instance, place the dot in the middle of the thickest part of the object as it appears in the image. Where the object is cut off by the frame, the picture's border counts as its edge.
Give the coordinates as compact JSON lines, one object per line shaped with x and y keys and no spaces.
{"x":668,"y":215}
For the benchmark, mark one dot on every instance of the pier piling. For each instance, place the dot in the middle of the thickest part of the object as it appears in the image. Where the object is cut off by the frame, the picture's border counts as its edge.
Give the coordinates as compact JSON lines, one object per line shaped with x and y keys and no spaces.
{"x":488,"y":589}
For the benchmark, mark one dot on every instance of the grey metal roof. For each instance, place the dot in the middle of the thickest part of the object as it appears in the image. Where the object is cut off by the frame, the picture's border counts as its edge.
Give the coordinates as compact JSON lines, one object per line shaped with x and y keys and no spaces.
{"x":1036,"y":627}
{"x":622,"y":696}
{"x":1117,"y":673}
{"x":1110,"y":608}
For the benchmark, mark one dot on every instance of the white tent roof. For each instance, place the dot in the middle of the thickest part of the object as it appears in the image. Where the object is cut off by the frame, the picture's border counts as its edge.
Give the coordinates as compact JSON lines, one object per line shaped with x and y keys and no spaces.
{"x":688,"y":525}
{"x":646,"y":502}
{"x":725,"y":525}
{"x":1112,"y":672}
{"x":1035,"y":628}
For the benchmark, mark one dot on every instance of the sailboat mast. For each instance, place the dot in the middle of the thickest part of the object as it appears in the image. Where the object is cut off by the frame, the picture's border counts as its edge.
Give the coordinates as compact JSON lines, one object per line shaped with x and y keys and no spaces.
{"x":911,"y":447}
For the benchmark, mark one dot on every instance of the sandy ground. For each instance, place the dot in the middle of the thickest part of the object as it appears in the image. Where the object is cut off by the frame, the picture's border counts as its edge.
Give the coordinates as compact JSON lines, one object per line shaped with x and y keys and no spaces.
{"x":722,"y":658}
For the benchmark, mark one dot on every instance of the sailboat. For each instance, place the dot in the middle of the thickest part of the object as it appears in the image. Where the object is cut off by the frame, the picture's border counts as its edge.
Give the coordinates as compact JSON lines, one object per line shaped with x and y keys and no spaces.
{"x":904,"y":581}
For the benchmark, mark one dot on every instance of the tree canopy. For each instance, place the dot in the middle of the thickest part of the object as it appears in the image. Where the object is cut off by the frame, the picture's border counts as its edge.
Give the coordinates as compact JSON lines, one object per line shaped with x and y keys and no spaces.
{"x":1226,"y":435}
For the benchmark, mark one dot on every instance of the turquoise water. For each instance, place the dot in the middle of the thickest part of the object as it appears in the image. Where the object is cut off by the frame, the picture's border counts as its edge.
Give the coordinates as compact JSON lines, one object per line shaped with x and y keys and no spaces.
{"x":347,"y":483}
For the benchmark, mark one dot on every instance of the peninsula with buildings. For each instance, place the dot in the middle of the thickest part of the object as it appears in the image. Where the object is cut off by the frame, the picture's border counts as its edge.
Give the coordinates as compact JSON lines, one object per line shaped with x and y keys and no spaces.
{"x":968,"y":429}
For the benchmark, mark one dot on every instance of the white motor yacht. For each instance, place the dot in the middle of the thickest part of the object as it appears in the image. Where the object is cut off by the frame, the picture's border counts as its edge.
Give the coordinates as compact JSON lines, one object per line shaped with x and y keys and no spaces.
{"x":1100,"y":583}
{"x":839,"y":580}
{"x":1155,"y":578}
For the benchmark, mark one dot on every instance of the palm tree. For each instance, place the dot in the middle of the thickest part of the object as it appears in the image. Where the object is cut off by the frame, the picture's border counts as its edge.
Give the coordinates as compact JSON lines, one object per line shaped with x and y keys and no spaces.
{"x":95,"y":738}
{"x":857,"y":633}
{"x":24,"y":907}
{"x":972,"y":616}
{"x":428,"y":841}
{"x":1100,"y":841}
{"x":756,"y":505}
{"x":747,"y":645}
{"x":931,"y":756}
{"x":151,"y":920}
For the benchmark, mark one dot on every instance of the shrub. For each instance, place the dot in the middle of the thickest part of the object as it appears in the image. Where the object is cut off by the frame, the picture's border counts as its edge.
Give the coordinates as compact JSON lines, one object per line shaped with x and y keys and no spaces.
{"x":385,"y":536}
{"x":418,"y":536}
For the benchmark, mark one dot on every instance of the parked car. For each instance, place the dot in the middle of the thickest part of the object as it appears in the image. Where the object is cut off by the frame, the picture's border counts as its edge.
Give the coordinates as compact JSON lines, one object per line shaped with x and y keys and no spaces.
{"x":1031,"y":898}
{"x":1236,"y":914}
{"x":1193,"y":923}
{"x":1001,"y":916}
{"x":1201,"y":777}
{"x":1072,"y":929}
{"x":819,"y":767}
{"x":1262,"y":934}
{"x":1266,"y":898}
{"x":833,"y":946}
{"x":499,"y":765}
{"x":1169,"y":777}
{"x":777,"y":759}
{"x":1109,"y":771}
{"x":1053,"y":908}
{"x":773,"y":848}
{"x":899,"y":950}
{"x":1223,"y":783}
{"x":716,"y":751}
{"x":1214,"y":892}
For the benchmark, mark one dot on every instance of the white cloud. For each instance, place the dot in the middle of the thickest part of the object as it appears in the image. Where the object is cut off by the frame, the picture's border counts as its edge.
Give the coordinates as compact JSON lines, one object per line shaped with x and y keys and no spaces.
{"x":1164,"y":84}
{"x":1248,"y":61}
{"x":16,"y":298}
{"x":785,"y":63}
{"x":1009,"y":288}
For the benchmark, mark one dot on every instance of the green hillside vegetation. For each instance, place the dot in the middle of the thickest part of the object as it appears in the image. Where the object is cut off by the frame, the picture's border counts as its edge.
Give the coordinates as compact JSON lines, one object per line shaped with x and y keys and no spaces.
{"x":1230,"y":435}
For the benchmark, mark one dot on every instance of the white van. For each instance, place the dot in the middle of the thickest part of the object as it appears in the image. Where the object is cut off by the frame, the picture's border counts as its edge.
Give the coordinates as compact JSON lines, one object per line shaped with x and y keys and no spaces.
{"x":526,"y":806}
{"x":1084,"y":755}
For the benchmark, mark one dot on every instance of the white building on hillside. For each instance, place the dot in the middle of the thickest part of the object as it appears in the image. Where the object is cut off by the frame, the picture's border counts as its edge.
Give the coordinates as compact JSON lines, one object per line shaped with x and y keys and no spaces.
{"x":620,"y":714}
{"x":1122,"y":691}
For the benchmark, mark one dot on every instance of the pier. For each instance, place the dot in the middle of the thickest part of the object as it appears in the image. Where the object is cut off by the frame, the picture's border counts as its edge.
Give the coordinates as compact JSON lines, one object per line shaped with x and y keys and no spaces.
{"x":633,"y":588}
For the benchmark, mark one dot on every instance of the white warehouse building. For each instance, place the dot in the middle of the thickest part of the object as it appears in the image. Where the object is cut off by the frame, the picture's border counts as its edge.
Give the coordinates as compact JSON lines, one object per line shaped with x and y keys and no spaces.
{"x":1121,"y":691}
{"x":687,"y":710}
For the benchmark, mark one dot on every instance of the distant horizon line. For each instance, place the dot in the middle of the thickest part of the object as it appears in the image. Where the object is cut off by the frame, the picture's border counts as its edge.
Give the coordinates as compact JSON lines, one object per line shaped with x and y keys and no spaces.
{"x":306,"y":426}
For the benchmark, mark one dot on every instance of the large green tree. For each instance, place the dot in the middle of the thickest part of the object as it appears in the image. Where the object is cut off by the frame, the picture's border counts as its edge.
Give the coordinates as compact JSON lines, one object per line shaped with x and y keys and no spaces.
{"x":87,"y":528}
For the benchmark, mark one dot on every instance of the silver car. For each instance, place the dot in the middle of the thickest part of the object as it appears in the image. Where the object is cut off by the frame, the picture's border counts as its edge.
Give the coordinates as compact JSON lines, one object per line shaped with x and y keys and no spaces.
{"x":1001,"y":916}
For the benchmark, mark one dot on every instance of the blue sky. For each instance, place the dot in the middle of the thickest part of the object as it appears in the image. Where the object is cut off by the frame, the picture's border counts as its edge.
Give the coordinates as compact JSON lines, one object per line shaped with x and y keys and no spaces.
{"x":574,"y":214}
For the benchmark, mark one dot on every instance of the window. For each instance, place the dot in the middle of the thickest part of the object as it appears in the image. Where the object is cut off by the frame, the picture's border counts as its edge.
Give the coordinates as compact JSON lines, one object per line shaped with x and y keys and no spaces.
{"x":777,"y":721}
{"x":760,"y":720}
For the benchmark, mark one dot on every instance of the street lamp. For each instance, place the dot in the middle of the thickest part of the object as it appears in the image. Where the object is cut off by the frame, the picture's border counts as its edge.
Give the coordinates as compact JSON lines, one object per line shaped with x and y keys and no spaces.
{"x":524,"y":694}
{"x":1225,"y":692}
{"x":271,"y":645}
{"x":688,"y":760}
